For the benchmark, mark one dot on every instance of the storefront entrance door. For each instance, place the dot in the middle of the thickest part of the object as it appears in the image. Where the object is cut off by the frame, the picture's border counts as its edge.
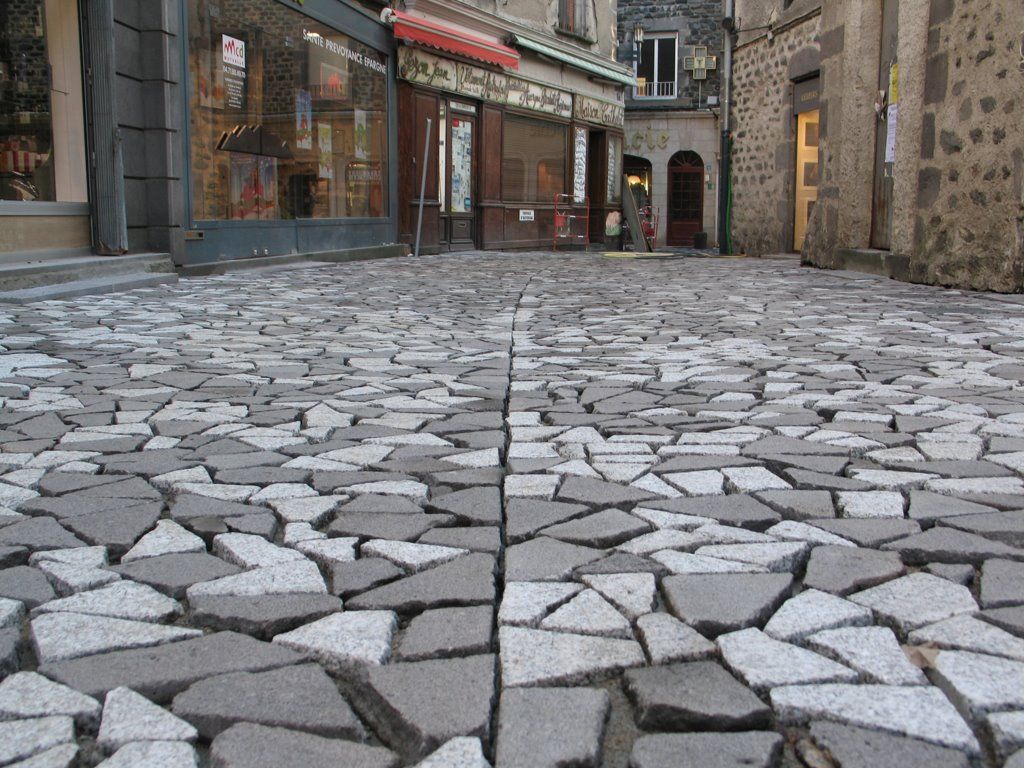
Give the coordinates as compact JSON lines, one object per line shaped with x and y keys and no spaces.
{"x":685,"y":198}
{"x":458,"y":199}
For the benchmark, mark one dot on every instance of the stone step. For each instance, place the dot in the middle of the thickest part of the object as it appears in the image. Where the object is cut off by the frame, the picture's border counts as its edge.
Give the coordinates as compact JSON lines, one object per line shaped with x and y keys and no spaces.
{"x":88,"y":287}
{"x":32,"y":272}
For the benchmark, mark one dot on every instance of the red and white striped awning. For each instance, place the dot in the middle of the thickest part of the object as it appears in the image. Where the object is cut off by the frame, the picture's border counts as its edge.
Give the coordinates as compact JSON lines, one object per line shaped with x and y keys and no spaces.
{"x":415,"y":29}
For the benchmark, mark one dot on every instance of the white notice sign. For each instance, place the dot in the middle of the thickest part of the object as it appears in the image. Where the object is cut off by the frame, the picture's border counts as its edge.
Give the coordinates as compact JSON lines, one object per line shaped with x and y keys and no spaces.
{"x":891,"y":117}
{"x":525,"y":215}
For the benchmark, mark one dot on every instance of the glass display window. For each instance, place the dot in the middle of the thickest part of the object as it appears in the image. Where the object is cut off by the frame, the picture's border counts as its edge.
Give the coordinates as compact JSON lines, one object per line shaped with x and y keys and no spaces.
{"x":288,"y":116}
{"x":533,"y":159}
{"x":42,"y":126}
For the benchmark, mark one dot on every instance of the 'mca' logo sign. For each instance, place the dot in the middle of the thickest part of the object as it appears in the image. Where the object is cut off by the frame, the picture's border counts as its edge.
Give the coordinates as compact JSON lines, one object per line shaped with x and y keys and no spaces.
{"x":234,"y":51}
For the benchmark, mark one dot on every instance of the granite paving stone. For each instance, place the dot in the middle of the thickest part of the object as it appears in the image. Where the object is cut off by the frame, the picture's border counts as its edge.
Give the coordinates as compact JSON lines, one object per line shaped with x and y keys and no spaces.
{"x":912,"y":601}
{"x":920,"y":712}
{"x":64,"y":635}
{"x":812,"y":611}
{"x":535,"y":657}
{"x":129,"y":717}
{"x":556,"y":460}
{"x":1007,"y":730}
{"x":28,"y":694}
{"x":764,"y":663}
{"x":460,"y":752}
{"x":347,"y":642}
{"x":159,"y":754}
{"x":666,"y":639}
{"x":21,"y":739}
{"x":874,"y":652}
{"x":980,"y":683}
{"x":292,"y":577}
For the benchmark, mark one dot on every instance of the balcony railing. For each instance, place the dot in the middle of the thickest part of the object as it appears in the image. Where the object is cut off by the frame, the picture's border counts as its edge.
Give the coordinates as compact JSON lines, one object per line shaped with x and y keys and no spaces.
{"x":652,"y":90}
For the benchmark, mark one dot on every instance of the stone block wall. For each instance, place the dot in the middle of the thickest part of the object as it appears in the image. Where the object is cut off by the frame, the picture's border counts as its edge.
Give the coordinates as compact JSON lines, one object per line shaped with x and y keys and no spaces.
{"x":763,"y":129}
{"x":958,"y":217}
{"x":970,"y":209}
{"x":696,"y":22}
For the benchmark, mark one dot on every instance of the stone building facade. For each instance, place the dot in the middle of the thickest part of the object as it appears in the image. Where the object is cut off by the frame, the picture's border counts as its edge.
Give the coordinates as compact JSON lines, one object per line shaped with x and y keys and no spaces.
{"x":919,"y":172}
{"x":766,"y":69}
{"x":672,"y":139}
{"x":958,"y":175}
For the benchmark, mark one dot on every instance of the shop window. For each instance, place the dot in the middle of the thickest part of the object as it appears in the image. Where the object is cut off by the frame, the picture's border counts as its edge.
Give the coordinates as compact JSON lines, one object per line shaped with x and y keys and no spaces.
{"x":42,"y":127}
{"x":656,"y":68}
{"x":288,"y":116}
{"x":533,"y":160}
{"x":574,"y":17}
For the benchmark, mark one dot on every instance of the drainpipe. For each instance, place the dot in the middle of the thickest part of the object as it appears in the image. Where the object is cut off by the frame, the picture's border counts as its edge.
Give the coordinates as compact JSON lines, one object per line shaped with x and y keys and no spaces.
{"x":725,"y":164}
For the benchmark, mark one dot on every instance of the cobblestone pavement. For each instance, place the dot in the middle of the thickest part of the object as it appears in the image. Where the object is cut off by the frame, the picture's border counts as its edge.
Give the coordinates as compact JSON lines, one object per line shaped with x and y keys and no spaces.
{"x":524,"y":510}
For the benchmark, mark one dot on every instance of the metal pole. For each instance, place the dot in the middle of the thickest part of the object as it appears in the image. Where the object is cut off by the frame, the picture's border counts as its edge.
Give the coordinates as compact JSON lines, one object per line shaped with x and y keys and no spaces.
{"x":423,"y":187}
{"x":725,"y":164}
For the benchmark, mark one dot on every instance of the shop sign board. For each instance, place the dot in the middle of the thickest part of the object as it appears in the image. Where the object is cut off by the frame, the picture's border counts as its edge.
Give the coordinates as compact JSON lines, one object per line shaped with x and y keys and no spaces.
{"x":598,"y":111}
{"x":423,"y":68}
{"x":233,"y":71}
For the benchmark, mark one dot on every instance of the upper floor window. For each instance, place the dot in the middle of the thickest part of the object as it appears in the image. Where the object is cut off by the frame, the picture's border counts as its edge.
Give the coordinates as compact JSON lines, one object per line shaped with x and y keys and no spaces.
{"x":656,"y":67}
{"x":573,"y":17}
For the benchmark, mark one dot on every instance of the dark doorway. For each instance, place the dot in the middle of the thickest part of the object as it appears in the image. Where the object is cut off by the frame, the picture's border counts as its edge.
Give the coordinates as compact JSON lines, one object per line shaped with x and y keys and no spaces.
{"x":597,"y":182}
{"x":685,"y":198}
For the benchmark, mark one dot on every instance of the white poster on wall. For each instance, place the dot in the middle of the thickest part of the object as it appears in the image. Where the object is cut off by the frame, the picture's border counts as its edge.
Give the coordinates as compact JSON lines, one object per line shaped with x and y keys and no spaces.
{"x":579,"y":175}
{"x":891,"y":118}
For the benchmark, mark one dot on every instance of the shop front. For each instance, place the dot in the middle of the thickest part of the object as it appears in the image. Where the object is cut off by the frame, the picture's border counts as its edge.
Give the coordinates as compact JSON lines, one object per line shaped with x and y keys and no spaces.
{"x":291,"y":129}
{"x":501,"y":147}
{"x":44,"y":190}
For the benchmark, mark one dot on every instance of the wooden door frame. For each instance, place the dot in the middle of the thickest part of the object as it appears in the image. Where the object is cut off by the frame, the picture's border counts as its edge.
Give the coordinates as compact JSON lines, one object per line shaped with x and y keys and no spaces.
{"x":446,"y":204}
{"x":683,"y":168}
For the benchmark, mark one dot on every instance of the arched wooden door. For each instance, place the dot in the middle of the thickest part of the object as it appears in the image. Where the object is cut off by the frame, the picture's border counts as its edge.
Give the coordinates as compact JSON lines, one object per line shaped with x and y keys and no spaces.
{"x":685,"y":198}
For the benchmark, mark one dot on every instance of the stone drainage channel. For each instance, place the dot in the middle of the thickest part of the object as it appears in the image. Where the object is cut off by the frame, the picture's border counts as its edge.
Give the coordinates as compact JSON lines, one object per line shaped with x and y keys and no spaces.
{"x":513,"y":510}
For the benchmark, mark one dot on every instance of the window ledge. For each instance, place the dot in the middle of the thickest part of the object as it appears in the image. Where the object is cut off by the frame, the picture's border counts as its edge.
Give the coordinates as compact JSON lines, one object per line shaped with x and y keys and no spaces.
{"x":574,"y":35}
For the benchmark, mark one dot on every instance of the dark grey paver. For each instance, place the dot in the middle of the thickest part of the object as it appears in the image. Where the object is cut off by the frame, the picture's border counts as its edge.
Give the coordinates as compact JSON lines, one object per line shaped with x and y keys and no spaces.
{"x":261,"y":616}
{"x":717,"y":603}
{"x":753,"y":749}
{"x":417,"y":706}
{"x":174,"y":574}
{"x":693,"y":697}
{"x":551,"y":727}
{"x":301,"y":698}
{"x":447,"y":632}
{"x":247,"y":745}
{"x":161,"y":672}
